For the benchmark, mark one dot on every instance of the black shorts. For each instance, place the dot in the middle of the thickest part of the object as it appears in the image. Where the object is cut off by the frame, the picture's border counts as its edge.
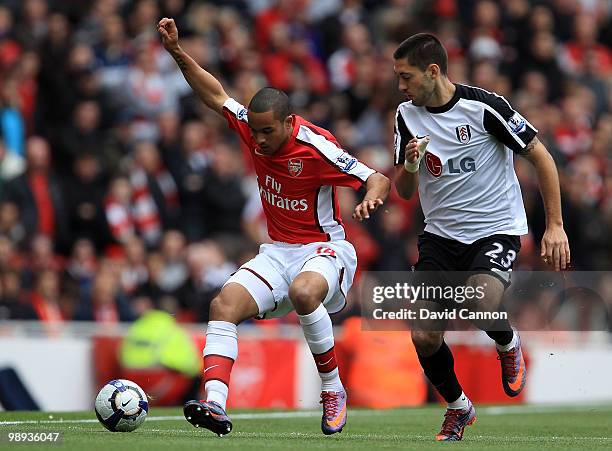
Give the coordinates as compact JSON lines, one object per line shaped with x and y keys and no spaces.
{"x":493,"y":255}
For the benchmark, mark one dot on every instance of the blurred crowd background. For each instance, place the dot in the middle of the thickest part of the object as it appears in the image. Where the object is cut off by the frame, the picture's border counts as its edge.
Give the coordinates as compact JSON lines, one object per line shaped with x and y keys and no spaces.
{"x":120,"y":191}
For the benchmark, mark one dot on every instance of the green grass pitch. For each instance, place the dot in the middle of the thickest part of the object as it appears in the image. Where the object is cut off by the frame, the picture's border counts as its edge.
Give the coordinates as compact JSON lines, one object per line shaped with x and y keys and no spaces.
{"x":515,"y":427}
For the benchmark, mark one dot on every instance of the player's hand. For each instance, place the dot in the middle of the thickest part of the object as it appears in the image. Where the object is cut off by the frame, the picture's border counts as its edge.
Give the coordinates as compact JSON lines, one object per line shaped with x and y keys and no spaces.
{"x":414,"y":153}
{"x":169,"y":33}
{"x":363,"y":209}
{"x":555,"y":248}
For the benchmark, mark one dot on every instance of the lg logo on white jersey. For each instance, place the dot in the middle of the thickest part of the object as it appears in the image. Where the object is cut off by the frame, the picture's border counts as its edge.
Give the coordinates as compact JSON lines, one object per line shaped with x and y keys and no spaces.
{"x":467,"y":164}
{"x":435,"y":167}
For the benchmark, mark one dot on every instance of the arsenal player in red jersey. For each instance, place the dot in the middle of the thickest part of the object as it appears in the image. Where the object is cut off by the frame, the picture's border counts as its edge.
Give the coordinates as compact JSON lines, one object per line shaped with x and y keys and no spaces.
{"x":310,"y":266}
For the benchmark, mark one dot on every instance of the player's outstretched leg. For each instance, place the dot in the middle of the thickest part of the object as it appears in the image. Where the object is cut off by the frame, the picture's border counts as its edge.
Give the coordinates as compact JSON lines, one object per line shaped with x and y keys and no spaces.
{"x":507,"y":341}
{"x":317,"y":327}
{"x":233,"y":305}
{"x":513,"y":369}
{"x":438,"y":364}
{"x":306,"y":292}
{"x":220,"y":353}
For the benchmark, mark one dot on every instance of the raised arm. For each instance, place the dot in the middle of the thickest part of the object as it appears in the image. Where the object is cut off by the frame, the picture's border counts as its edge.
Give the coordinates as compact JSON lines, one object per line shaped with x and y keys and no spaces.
{"x":206,"y":86}
{"x":555,"y":248}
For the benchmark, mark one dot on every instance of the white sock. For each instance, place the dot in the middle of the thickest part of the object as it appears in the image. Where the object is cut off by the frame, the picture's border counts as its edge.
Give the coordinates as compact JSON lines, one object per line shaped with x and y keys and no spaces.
{"x":331,"y":381}
{"x":462,"y":402}
{"x":221,"y":339}
{"x":216,"y":391}
{"x":512,"y":344}
{"x":319,"y":334}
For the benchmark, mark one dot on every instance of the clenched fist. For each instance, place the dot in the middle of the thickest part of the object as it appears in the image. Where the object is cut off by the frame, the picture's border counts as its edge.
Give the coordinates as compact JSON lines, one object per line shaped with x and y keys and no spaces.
{"x":169,"y":33}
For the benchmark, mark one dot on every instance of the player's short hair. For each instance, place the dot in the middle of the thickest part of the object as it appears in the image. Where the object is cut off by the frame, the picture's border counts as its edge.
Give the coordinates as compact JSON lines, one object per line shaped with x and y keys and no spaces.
{"x":421,"y":50}
{"x":270,"y":99}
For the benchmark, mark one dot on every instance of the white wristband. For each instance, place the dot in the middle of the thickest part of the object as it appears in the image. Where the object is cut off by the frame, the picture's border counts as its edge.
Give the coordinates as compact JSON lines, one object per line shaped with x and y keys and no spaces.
{"x":421,"y":147}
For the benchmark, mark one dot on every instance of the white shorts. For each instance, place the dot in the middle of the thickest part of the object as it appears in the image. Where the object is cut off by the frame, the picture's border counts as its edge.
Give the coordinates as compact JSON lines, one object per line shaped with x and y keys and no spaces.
{"x":267,"y":276}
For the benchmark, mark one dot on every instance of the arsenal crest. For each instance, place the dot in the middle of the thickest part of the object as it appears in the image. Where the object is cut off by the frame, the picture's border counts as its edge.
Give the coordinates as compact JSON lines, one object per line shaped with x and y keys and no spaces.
{"x":464,"y":134}
{"x":295,"y":167}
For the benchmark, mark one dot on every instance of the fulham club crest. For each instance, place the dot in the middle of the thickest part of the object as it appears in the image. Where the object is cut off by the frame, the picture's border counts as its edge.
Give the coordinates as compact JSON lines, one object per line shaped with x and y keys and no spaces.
{"x":295,"y":167}
{"x":464,"y":134}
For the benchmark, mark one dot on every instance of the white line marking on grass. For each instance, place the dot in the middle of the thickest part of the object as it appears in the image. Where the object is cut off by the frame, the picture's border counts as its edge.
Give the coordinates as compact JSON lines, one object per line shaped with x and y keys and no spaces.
{"x":429,"y":438}
{"x":361,"y":412}
{"x":522,"y":409}
{"x":237,"y":416}
{"x":11,"y":423}
{"x":494,"y":410}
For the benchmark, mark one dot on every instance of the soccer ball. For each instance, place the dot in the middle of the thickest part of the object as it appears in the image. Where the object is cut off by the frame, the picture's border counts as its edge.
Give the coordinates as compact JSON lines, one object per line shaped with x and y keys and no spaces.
{"x":121,"y":406}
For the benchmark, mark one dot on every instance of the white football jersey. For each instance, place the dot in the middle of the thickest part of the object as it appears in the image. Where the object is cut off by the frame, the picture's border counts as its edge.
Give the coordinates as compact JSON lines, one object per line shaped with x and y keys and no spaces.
{"x":467,"y":184}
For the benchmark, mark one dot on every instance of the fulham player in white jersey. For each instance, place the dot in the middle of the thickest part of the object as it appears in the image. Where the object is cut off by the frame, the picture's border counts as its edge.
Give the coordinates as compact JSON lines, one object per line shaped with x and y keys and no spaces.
{"x":310,"y":266}
{"x":456,"y":143}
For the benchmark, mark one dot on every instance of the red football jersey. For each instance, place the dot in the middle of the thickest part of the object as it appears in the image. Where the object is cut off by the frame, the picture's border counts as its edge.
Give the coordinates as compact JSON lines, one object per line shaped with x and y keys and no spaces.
{"x":297,"y":183}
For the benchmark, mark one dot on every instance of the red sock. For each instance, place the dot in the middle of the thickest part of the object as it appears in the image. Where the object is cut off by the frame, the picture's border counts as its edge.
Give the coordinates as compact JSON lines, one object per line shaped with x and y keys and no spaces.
{"x":217,"y":367}
{"x":326,"y":362}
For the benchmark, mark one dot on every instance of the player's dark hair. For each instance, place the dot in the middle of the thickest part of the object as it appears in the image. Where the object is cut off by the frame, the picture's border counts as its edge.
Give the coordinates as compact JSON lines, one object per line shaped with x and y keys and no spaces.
{"x":270,"y":99}
{"x":421,"y":50}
